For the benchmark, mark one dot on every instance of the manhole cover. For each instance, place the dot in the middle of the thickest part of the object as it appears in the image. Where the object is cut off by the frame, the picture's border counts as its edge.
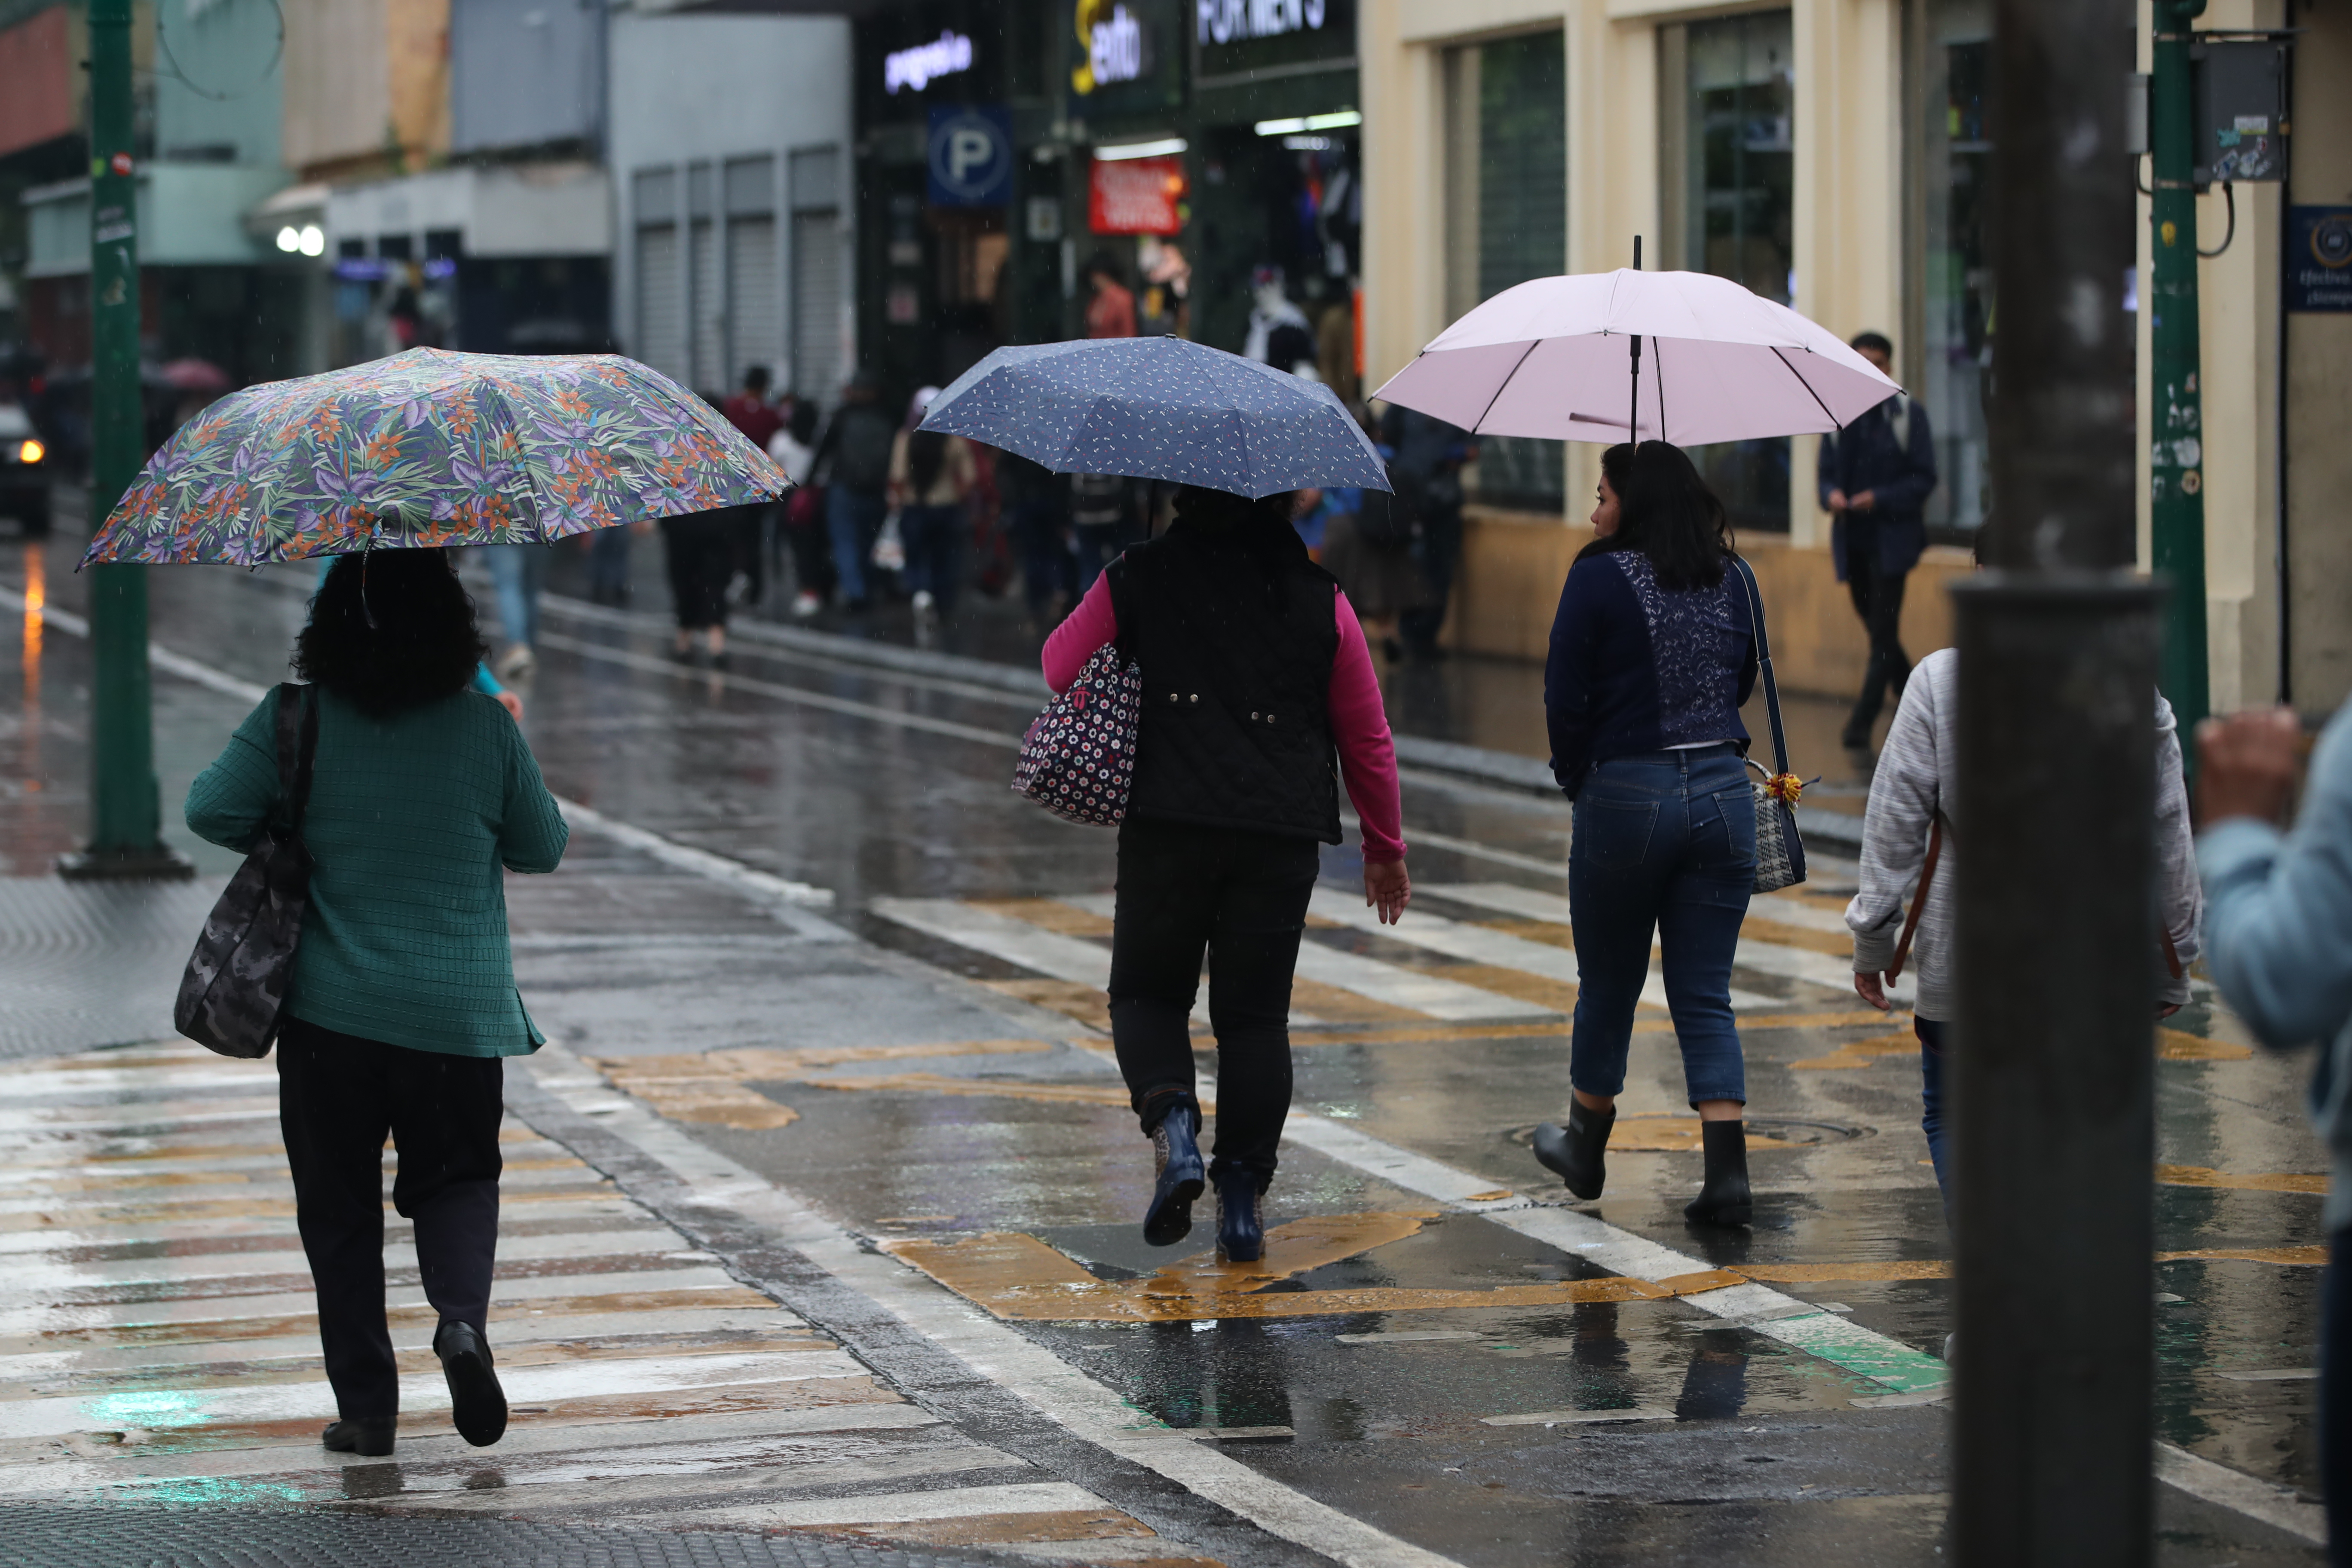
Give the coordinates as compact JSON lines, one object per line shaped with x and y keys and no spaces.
{"x":1671,"y":1133}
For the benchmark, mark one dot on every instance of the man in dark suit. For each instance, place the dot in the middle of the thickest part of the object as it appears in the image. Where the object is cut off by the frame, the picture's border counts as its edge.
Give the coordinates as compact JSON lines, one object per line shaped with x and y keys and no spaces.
{"x":1875,"y":477}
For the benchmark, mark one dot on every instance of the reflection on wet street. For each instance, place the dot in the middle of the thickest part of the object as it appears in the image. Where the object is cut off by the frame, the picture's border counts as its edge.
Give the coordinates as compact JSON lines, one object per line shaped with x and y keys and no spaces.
{"x":821,"y":1205}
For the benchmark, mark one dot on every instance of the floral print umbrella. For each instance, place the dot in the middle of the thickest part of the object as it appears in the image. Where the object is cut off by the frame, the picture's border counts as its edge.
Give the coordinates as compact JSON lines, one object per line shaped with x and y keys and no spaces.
{"x":431,"y":448}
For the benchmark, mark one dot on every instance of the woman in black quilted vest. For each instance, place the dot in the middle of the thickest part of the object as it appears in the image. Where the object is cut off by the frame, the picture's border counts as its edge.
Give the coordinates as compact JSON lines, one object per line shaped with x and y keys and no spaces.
{"x":1255,"y":681}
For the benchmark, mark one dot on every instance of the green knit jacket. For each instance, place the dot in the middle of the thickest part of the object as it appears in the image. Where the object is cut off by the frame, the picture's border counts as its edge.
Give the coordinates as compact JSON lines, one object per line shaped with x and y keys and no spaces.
{"x":410,"y":818}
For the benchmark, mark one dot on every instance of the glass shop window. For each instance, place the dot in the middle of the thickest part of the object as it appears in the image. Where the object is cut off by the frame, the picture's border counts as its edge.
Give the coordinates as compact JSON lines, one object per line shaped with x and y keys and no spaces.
{"x":1506,"y":215}
{"x":1728,"y":153}
{"x":1945,"y":349}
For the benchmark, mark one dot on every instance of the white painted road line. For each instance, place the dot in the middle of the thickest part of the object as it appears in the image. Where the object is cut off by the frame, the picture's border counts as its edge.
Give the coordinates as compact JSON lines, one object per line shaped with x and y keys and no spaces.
{"x":1800,"y":1323}
{"x":993,"y":1350}
{"x":910,"y":1507}
{"x":1478,"y":945}
{"x":2256,"y":1499}
{"x":1763,"y":957}
{"x":1431,"y":995}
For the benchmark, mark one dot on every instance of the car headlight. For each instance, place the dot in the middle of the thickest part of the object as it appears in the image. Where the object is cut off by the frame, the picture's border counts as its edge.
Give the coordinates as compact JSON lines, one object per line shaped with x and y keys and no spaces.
{"x":31,"y":452}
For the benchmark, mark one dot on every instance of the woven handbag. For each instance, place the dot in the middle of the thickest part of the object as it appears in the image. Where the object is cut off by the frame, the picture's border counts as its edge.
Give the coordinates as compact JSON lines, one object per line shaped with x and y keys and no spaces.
{"x":1779,"y":851}
{"x":1078,"y":761}
{"x":235,"y":979}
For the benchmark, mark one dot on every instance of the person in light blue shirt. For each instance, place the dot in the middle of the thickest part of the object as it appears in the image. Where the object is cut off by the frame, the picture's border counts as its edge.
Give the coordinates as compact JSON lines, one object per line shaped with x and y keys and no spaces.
{"x":2278,"y":944}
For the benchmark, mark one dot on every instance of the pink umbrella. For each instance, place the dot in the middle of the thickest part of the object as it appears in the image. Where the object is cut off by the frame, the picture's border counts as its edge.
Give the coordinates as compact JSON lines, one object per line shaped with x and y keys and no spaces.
{"x":196,"y":375}
{"x":1561,"y":358}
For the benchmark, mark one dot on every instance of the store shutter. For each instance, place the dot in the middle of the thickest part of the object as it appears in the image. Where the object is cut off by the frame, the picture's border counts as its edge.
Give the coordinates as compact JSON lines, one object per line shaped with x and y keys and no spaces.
{"x":708,"y":343}
{"x":661,"y":301}
{"x":817,"y":370}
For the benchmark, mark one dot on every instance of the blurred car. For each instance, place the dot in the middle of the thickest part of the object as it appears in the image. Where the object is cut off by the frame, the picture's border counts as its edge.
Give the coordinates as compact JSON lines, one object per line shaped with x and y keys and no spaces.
{"x":24,"y":471}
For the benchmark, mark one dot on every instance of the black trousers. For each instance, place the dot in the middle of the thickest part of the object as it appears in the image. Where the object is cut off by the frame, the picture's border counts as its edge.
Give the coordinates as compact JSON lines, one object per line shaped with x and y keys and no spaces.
{"x":701,"y":551}
{"x":338,"y":1097}
{"x":1878,"y":600}
{"x":1241,"y":898}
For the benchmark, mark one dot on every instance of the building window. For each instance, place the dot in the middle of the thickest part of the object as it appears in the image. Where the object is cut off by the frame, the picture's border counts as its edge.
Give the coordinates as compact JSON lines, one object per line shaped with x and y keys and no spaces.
{"x":1727,"y":97}
{"x":1506,"y":215}
{"x":1947,"y":347}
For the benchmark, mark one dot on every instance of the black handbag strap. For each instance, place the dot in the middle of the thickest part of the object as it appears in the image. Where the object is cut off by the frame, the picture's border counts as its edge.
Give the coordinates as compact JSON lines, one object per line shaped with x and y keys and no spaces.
{"x":297,"y":745}
{"x":1764,"y":662}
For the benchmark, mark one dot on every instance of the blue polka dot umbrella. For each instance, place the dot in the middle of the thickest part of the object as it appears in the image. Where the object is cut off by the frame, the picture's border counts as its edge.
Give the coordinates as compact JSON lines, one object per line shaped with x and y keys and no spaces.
{"x":1160,"y":408}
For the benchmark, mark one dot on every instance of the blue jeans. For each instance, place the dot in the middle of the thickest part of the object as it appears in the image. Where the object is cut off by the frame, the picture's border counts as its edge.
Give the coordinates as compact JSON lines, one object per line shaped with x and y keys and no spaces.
{"x":1047,"y":567}
{"x":1663,"y":841}
{"x":517,"y":570}
{"x":1931,"y":1103}
{"x":608,"y":566}
{"x":933,"y":536}
{"x":852,"y":520}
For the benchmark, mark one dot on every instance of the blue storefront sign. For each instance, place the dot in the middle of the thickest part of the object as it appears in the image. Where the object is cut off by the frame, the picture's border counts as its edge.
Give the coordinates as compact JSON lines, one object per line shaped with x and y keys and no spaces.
{"x":971,"y":155}
{"x":2319,"y":259}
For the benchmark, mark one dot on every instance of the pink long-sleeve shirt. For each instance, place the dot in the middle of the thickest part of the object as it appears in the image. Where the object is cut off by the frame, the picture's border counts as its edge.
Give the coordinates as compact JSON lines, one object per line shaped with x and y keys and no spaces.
{"x":1360,"y":720}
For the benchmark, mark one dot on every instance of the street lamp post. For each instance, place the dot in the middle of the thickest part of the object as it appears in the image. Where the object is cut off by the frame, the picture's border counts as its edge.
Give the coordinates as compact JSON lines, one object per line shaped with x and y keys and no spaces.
{"x":2175,"y":465}
{"x":2053,"y":828}
{"x":125,"y":838}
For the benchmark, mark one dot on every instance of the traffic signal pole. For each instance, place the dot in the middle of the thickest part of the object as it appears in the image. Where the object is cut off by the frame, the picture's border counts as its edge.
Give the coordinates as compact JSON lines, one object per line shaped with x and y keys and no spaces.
{"x":125,"y":837}
{"x":2176,"y":470}
{"x":2052,"y":1057}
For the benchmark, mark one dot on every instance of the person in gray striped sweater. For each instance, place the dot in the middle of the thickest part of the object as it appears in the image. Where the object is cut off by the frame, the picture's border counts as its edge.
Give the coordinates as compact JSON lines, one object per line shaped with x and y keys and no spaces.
{"x":1911,"y":797}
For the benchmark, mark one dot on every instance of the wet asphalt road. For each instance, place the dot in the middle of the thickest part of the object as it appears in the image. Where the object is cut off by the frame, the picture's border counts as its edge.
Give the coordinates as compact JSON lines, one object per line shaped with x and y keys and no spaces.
{"x":923,"y":1073}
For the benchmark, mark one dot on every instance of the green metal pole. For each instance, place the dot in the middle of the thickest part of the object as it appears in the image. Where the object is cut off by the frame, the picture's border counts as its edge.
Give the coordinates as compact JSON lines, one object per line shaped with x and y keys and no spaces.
{"x":2176,"y":463}
{"x":125,"y":837}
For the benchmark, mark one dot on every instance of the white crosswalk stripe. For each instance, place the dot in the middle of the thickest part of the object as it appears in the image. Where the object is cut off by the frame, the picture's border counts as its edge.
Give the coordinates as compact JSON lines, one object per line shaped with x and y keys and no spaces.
{"x":157,"y":1329}
{"x":1763,"y":957}
{"x":1399,"y":987}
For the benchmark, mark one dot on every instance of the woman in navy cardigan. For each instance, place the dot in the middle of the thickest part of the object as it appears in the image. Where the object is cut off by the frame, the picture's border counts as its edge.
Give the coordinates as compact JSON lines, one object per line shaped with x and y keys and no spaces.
{"x":1653,"y":653}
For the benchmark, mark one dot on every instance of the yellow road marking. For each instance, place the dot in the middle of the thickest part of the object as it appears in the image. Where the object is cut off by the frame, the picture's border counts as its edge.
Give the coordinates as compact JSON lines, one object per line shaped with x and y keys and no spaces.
{"x":1052,"y":914}
{"x":2288,"y":1256}
{"x":1861,"y":1053}
{"x":2178,"y":1046}
{"x":1067,"y":997}
{"x":1666,"y":1133}
{"x":1018,"y":1277}
{"x":2274,"y":1182}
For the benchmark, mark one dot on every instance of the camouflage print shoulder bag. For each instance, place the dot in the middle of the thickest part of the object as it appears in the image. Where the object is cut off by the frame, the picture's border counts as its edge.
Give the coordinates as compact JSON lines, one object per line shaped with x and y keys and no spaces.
{"x":236,"y":977}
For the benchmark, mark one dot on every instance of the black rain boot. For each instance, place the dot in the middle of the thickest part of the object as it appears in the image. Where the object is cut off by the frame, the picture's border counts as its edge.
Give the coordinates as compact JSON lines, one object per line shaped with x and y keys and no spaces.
{"x":1240,"y":1228}
{"x":477,"y":1405}
{"x":1574,"y":1154}
{"x":367,"y":1437}
{"x":1725,"y":1199}
{"x":1178,"y":1173}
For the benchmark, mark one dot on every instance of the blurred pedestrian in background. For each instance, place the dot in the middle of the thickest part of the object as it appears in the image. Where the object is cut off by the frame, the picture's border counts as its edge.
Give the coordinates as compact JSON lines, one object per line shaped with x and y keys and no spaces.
{"x":931,"y":477}
{"x":1107,"y":515}
{"x":1270,"y":308}
{"x":700,"y":549}
{"x":1875,"y":477}
{"x":1370,"y":552}
{"x":1427,"y":473}
{"x":793,"y":446}
{"x":1907,"y":835}
{"x":518,"y":572}
{"x":1254,"y":678}
{"x":403,"y":998}
{"x":751,"y":412}
{"x":1035,"y":509}
{"x":2278,"y":944}
{"x":1653,"y":653}
{"x":854,"y":463}
{"x":1111,"y":303}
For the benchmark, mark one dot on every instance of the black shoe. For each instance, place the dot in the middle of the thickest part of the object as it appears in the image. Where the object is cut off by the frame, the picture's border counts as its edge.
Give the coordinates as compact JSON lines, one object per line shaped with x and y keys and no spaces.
{"x":1241,"y":1227}
{"x":720,"y":661}
{"x":1179,"y":1175}
{"x":1725,"y":1199}
{"x":1855,"y":737}
{"x":1573,"y":1153}
{"x":370,"y":1438}
{"x":476,"y":1403}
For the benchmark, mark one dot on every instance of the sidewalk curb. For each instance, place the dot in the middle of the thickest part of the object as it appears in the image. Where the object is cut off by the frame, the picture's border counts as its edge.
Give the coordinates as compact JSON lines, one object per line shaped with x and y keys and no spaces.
{"x":1505,"y":770}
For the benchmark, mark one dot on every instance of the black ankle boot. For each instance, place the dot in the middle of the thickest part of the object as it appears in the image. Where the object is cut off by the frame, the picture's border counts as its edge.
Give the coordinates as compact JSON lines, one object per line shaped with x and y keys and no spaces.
{"x":477,"y":1405}
{"x":1179,"y":1175}
{"x":1574,"y":1154}
{"x":1240,"y":1228}
{"x":1725,"y":1199}
{"x":367,"y":1437}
